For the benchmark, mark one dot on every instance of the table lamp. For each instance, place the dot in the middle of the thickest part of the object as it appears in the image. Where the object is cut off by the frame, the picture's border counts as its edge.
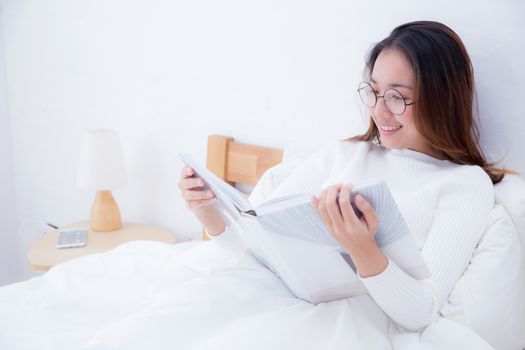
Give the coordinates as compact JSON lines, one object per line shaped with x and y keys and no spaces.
{"x":101,"y":168}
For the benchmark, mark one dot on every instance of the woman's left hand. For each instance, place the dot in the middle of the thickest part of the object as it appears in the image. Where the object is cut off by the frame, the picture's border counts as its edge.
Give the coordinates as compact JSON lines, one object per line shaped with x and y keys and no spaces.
{"x":355,"y":235}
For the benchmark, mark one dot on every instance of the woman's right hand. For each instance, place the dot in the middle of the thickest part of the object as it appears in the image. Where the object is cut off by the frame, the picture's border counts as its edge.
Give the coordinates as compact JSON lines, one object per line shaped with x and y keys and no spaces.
{"x":197,"y":198}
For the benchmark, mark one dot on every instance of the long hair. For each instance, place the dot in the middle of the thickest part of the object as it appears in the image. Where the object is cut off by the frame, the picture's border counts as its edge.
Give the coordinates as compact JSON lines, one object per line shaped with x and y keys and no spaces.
{"x":444,"y":91}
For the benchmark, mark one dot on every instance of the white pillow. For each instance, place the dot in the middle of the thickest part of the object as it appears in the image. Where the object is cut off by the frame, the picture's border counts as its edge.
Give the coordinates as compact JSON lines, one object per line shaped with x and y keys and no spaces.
{"x":268,"y":182}
{"x":510,"y":192}
{"x":489,"y":297}
{"x":293,"y":155}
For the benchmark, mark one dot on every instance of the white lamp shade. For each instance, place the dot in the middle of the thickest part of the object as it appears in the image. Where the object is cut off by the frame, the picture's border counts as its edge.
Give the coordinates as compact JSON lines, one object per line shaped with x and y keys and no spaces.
{"x":101,"y":165}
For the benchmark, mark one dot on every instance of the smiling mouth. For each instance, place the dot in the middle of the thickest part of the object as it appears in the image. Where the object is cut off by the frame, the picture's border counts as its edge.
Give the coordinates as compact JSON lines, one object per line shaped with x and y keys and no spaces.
{"x":390,"y":128}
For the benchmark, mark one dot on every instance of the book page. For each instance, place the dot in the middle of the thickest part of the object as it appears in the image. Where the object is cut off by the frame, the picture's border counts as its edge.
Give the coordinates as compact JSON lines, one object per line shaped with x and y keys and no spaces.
{"x":295,"y":216}
{"x":392,"y":226}
{"x":301,"y":221}
{"x":227,"y":195}
{"x":313,"y":272}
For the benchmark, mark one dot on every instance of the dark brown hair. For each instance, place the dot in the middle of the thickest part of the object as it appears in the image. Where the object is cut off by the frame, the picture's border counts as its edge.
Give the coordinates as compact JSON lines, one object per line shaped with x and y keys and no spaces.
{"x":444,"y":92}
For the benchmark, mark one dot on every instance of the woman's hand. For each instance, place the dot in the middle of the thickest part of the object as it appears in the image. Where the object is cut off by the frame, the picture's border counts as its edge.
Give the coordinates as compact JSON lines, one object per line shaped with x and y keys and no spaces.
{"x":200,"y":201}
{"x":355,"y":235}
{"x":193,"y":192}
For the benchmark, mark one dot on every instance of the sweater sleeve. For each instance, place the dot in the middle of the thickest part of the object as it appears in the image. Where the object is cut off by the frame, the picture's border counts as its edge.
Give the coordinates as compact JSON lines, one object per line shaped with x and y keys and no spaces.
{"x":464,"y":203}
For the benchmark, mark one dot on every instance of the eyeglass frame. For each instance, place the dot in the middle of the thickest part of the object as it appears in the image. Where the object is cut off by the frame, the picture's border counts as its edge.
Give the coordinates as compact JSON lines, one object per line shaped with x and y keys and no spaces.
{"x":383,"y":97}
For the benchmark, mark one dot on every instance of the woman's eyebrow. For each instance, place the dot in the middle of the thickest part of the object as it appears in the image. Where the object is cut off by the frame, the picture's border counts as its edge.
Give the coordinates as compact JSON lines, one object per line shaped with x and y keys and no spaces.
{"x":394,"y":85}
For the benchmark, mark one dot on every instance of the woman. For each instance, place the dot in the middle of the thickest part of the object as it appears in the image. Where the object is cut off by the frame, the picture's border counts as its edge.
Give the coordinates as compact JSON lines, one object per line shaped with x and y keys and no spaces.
{"x":423,"y":141}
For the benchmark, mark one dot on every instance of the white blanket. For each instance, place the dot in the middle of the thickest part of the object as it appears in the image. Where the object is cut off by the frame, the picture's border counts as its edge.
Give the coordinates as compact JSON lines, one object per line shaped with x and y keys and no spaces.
{"x":195,"y":295}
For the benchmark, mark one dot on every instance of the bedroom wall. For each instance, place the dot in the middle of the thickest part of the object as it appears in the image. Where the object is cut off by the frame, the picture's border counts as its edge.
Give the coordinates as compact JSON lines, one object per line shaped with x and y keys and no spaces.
{"x":166,"y":74}
{"x":9,"y":248}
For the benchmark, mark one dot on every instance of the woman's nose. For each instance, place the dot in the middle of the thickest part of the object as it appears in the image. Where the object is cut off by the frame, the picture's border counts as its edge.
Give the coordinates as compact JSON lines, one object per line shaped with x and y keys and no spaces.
{"x":380,"y":108}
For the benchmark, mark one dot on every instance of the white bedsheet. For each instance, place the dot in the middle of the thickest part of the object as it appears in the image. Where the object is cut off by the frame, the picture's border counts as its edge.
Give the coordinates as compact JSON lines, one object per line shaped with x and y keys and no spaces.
{"x":195,"y":295}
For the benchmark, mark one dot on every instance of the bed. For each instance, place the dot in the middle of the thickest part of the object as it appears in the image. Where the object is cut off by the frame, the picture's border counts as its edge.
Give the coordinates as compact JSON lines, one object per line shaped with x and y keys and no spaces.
{"x":204,"y":295}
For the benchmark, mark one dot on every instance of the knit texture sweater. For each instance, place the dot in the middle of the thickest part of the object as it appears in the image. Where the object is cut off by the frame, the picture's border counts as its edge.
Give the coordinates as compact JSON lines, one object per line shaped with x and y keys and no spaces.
{"x":444,"y":205}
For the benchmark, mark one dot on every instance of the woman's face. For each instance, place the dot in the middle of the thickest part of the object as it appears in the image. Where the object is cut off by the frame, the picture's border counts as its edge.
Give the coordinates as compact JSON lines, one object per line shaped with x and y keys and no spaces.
{"x":393,"y":71}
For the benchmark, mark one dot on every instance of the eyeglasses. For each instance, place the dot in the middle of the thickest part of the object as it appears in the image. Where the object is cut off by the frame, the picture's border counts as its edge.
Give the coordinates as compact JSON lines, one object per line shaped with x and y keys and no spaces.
{"x":394,"y":101}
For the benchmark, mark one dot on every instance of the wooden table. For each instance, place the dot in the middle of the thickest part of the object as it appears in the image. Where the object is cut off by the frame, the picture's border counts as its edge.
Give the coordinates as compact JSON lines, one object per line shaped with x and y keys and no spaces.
{"x":43,"y":254}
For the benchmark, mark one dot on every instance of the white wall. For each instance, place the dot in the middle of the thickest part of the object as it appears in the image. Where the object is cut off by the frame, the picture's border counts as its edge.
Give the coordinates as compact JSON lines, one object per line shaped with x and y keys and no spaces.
{"x":9,"y":246}
{"x":168,"y":73}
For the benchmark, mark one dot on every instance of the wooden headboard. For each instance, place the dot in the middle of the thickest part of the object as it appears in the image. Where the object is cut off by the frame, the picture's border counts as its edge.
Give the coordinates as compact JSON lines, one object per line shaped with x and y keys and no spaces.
{"x":239,"y":163}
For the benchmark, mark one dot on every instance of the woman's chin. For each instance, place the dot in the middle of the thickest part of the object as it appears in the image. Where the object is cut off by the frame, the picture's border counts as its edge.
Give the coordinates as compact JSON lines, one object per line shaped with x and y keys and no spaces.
{"x":391,"y":145}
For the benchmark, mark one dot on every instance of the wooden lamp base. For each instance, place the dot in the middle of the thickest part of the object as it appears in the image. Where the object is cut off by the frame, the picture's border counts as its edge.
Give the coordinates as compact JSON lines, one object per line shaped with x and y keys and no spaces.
{"x":105,"y":214}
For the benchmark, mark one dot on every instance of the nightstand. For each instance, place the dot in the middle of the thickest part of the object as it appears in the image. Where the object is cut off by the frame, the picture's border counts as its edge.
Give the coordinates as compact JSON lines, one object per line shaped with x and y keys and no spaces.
{"x":43,"y":254}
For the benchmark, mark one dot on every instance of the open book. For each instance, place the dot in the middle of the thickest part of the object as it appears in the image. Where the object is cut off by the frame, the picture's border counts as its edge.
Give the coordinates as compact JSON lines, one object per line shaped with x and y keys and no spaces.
{"x":288,"y":236}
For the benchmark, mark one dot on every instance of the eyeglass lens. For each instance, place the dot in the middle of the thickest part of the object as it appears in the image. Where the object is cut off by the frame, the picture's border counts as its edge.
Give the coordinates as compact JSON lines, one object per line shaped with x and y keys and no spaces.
{"x":394,"y":101}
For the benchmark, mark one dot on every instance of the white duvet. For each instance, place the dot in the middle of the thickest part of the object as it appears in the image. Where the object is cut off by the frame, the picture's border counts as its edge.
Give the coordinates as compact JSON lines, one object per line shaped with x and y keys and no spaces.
{"x":194,"y":295}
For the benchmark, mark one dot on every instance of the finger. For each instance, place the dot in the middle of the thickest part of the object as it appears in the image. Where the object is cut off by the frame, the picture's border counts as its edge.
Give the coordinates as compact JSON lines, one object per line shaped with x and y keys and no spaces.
{"x":346,"y":206}
{"x":190,"y":195}
{"x":333,"y":207}
{"x":187,"y":172}
{"x":315,"y":202}
{"x":349,"y":215}
{"x":368,"y":211}
{"x":190,"y":183}
{"x":200,"y":203}
{"x":321,"y":202}
{"x":321,"y":208}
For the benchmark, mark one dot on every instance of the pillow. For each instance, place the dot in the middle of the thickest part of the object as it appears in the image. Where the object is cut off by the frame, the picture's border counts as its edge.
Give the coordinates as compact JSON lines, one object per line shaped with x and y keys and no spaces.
{"x":510,"y":192}
{"x":489,"y":297}
{"x":268,"y":182}
{"x":293,"y":155}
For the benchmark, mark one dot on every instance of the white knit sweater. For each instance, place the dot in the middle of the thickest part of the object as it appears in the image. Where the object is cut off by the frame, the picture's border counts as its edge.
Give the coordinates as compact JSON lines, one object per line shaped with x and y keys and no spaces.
{"x":443,"y":203}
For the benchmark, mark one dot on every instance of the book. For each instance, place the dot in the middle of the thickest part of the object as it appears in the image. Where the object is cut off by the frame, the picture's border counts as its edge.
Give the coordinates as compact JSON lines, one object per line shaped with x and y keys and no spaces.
{"x":288,"y":236}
